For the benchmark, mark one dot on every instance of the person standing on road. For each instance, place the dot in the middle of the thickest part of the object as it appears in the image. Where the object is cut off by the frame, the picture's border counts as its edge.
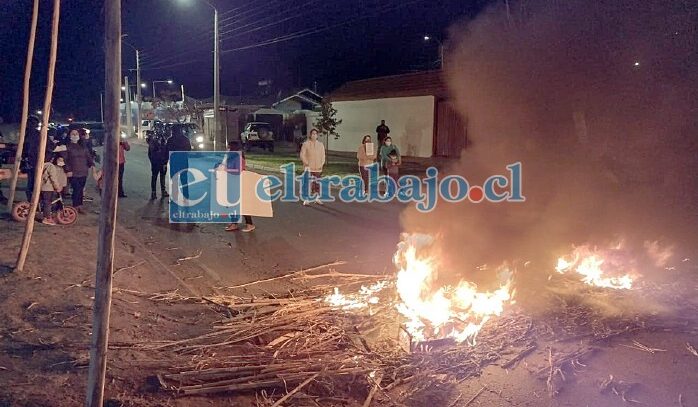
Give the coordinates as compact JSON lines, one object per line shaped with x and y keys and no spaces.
{"x":386,"y":149}
{"x":123,"y":147}
{"x":158,"y":156}
{"x":313,"y":158}
{"x":50,"y":187}
{"x":86,"y":141}
{"x":78,"y":163}
{"x":367,"y":157}
{"x":237,"y":167}
{"x":382,"y":132}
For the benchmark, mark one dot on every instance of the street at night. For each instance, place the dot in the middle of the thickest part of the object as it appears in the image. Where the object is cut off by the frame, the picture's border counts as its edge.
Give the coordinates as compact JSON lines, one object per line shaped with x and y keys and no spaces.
{"x":348,"y":203}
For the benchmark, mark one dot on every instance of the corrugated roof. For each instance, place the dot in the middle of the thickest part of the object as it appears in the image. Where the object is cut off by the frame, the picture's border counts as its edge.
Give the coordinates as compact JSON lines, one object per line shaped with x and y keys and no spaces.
{"x":413,"y":84}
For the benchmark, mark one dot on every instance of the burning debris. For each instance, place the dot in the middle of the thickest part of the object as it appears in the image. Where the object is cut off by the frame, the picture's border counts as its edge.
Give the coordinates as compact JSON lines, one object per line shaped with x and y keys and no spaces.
{"x":362,"y":339}
{"x":594,"y":265}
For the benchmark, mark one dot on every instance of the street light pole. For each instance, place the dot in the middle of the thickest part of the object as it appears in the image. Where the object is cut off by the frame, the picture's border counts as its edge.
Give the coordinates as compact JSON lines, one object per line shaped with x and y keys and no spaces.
{"x":129,"y":114}
{"x":139,"y":98}
{"x":216,"y":80}
{"x":138,"y":90}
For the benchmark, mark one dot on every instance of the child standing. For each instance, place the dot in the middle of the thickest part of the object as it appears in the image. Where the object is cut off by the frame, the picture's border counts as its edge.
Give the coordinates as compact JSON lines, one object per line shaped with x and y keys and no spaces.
{"x":50,"y":186}
{"x":233,"y":167}
{"x":392,"y":166}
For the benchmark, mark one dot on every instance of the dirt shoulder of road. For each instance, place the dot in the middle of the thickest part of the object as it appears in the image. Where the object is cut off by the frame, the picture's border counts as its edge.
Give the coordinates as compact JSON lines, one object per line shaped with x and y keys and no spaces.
{"x":47,"y":316}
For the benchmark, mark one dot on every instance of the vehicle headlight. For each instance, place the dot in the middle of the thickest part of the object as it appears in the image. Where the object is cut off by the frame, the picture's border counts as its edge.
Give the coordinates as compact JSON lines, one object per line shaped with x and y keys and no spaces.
{"x":201,"y":145}
{"x":123,"y":135}
{"x":200,"y":139}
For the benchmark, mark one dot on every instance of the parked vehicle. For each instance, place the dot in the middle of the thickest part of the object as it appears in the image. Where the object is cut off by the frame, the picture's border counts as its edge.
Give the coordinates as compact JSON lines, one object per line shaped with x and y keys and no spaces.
{"x":258,"y":134}
{"x":198,"y":139}
{"x":7,"y":153}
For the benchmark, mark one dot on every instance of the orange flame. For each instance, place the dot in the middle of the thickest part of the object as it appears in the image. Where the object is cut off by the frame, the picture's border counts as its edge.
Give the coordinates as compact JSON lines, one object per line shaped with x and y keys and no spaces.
{"x":434,"y":312}
{"x":593,"y":266}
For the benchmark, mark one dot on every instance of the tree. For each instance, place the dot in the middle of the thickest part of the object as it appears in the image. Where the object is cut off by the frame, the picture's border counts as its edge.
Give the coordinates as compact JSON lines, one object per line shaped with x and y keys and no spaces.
{"x":327,"y":122}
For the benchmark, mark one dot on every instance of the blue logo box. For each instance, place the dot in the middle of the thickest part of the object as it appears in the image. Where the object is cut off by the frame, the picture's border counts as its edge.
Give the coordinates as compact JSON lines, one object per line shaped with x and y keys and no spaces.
{"x":205,"y":186}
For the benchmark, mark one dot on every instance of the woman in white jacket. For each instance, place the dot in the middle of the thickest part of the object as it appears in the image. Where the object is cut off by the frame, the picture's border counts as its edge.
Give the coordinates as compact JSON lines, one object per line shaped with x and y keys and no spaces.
{"x":313,"y":158}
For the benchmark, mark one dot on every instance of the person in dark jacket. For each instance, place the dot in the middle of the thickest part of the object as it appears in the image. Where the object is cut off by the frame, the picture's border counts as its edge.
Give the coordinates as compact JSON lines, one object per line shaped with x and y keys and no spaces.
{"x":78,"y":167}
{"x":179,"y":141}
{"x":158,"y":156}
{"x":30,"y":153}
{"x":236,"y":167}
{"x":382,"y":132}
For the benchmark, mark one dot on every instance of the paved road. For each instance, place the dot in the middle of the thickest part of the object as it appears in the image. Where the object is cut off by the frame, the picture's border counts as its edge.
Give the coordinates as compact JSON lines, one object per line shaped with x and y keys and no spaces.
{"x":363,"y":235}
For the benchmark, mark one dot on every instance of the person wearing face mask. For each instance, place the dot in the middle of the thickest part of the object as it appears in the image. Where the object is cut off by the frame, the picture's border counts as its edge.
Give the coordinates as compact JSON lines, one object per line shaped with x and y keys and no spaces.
{"x":313,"y":157}
{"x":386,"y":149}
{"x":78,"y":164}
{"x":50,"y":186}
{"x":366,"y":156}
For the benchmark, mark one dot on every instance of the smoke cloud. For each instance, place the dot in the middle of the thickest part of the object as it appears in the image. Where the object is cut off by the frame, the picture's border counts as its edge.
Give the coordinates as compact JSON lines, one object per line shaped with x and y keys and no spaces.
{"x":598,"y":101}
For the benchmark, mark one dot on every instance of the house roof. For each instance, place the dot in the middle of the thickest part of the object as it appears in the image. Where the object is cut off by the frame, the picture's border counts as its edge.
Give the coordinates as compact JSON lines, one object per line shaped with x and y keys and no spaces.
{"x":412,"y":84}
{"x":304,"y":96}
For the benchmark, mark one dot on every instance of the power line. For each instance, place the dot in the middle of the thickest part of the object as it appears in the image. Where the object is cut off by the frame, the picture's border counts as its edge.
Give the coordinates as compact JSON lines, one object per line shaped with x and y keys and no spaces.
{"x":311,"y":31}
{"x":273,"y":17}
{"x":153,"y":61}
{"x":287,"y":37}
{"x":202,"y":36}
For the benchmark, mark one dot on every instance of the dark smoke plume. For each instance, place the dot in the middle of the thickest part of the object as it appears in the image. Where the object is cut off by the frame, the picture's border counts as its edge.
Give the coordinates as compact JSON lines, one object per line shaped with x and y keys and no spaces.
{"x":599,"y":102}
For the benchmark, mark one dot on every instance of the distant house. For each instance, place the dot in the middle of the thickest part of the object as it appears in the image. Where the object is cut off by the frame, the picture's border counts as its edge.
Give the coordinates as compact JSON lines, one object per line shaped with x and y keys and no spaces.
{"x":303,"y":100}
{"x":299,"y":110}
{"x":416,"y":107}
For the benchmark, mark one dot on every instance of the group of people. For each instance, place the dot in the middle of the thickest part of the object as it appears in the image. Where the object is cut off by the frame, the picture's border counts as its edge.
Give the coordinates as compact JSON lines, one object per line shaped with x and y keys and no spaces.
{"x":386,"y":154}
{"x":68,"y":161}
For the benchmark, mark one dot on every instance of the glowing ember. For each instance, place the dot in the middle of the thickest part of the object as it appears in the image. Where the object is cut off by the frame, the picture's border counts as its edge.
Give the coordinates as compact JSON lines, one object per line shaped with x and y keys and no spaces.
{"x":595,"y":265}
{"x":434,"y":312}
{"x":365,"y":297}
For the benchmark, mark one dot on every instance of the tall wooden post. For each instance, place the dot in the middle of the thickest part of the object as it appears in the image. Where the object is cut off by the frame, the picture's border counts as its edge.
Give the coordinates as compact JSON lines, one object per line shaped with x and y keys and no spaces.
{"x":107,"y":221}
{"x":25,"y":104}
{"x":29,"y":228}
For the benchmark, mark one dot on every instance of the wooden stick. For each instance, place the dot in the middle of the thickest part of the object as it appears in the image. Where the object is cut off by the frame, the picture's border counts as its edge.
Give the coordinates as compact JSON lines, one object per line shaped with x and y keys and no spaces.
{"x":25,"y":104}
{"x":294,"y":391}
{"x":107,"y":219}
{"x":474,"y":397}
{"x":374,"y":389}
{"x":266,"y":280}
{"x":29,"y":227}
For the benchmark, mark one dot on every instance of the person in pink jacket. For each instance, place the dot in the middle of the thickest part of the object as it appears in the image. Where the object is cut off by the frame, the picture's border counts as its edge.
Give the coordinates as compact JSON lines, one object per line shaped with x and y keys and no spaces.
{"x":313,"y":158}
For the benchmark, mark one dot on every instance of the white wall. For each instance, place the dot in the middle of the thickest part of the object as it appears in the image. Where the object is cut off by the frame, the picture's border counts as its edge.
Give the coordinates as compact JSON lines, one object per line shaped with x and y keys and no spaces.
{"x":411,"y":122}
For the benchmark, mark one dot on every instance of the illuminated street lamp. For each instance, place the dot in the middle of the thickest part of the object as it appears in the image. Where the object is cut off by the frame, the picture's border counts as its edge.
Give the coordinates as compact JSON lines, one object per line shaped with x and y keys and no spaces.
{"x":428,"y":38}
{"x":169,"y":82}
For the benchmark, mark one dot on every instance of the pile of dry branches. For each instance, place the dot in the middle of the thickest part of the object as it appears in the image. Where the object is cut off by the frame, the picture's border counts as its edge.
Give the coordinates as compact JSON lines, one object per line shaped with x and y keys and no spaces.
{"x":316,"y":353}
{"x":301,"y":349}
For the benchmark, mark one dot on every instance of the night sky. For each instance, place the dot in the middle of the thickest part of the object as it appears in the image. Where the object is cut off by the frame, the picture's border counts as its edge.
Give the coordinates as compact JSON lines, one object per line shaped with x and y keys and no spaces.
{"x":331,"y":42}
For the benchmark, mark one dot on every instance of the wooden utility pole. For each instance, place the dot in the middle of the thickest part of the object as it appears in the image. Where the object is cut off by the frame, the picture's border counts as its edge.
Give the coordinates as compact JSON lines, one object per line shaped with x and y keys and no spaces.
{"x":107,"y":219}
{"x":25,"y":104}
{"x":29,"y":227}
